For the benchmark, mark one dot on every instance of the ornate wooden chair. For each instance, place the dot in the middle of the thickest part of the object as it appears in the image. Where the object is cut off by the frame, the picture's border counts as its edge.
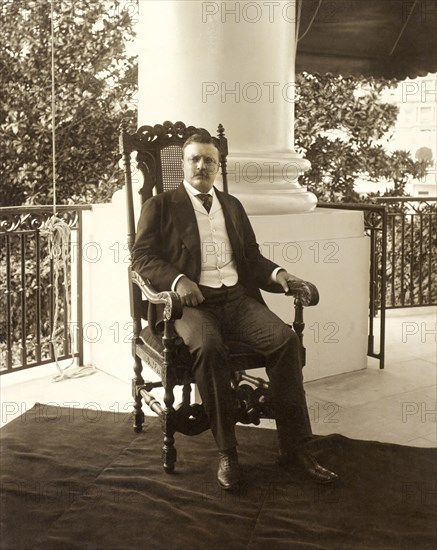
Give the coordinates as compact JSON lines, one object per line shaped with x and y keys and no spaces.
{"x":159,"y":154}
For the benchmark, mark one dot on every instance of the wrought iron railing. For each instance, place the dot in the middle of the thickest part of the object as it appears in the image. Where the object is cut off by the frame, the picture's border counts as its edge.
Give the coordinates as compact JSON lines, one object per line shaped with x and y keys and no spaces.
{"x":411,"y":251}
{"x":28,"y":293}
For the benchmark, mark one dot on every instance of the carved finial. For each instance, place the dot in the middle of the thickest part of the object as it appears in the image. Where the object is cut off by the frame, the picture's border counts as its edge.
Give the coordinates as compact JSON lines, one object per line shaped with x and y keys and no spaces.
{"x":221,"y":131}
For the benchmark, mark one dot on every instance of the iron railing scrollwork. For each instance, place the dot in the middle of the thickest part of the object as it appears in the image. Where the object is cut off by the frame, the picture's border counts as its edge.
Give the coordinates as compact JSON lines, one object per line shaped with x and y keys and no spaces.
{"x":27,"y":288}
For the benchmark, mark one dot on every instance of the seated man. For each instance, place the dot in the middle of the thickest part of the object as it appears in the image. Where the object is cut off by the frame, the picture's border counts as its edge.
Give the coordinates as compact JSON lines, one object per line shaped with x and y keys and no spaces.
{"x":198,"y":241}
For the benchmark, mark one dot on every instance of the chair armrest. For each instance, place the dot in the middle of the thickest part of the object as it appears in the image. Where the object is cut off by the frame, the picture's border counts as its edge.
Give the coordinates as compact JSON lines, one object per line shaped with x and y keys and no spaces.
{"x":304,"y":291}
{"x":170,"y":300}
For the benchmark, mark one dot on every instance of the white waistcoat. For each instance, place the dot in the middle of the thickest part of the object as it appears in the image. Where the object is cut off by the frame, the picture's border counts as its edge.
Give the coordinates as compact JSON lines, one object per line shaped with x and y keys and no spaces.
{"x":218,"y":266}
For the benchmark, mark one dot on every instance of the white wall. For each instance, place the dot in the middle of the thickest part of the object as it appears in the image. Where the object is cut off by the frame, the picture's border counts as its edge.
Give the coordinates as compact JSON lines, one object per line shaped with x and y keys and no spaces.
{"x":107,"y":322}
{"x":328,"y":248}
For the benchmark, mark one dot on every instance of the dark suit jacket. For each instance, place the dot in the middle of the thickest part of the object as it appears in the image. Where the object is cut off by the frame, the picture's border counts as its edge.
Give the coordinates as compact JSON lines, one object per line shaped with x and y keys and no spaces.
{"x":167,"y":242}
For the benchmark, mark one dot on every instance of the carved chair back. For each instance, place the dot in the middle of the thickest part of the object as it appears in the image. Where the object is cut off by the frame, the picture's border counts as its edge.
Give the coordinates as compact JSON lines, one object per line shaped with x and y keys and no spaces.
{"x":159,"y":156}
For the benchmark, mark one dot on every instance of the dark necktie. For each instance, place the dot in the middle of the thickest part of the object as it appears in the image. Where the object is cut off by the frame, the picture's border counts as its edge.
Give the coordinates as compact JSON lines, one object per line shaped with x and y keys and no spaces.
{"x":206,"y":199}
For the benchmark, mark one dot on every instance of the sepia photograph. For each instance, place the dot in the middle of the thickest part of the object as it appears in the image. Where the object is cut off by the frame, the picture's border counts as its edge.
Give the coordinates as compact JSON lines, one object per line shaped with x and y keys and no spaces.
{"x":218,"y":274}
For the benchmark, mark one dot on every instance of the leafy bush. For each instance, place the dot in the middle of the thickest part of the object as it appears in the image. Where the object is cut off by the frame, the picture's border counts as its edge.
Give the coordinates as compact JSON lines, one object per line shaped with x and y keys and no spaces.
{"x":95,"y":85}
{"x":339,"y":123}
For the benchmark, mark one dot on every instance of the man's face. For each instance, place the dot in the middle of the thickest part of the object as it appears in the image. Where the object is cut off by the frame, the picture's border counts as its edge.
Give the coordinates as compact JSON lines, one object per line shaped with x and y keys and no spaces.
{"x":200,"y":165}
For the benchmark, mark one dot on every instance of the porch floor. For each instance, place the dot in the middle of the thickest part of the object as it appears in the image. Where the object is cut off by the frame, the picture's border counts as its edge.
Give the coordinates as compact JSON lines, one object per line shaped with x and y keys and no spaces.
{"x":395,"y":405}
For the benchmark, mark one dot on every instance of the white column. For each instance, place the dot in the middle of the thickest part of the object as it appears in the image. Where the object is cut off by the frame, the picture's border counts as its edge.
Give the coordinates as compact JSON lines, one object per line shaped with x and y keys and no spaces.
{"x":232,"y":63}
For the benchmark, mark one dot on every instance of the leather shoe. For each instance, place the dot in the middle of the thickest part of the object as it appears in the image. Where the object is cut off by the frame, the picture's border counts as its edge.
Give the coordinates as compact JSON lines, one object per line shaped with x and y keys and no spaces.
{"x":303,"y":461}
{"x":228,"y":475}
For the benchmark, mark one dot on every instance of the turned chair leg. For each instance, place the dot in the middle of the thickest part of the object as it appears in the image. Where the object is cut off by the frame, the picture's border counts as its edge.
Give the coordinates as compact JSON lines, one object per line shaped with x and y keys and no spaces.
{"x":168,"y":427}
{"x":169,"y":340}
{"x":137,"y":382}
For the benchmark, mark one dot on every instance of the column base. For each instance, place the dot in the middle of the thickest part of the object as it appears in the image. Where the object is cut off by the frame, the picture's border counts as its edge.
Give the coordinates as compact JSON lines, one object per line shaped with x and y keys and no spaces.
{"x":268,"y":183}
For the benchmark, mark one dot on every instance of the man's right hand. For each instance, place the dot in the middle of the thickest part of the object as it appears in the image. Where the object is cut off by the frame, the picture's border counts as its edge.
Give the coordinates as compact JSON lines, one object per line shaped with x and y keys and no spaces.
{"x":189,"y":293}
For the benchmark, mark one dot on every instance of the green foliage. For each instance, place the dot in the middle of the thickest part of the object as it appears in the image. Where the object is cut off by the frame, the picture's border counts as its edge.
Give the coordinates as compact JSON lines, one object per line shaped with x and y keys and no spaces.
{"x":338,"y":124}
{"x":95,"y":86}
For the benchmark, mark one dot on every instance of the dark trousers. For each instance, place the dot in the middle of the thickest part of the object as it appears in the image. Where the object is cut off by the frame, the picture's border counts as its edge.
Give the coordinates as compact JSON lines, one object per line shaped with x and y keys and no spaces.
{"x":229,"y":314}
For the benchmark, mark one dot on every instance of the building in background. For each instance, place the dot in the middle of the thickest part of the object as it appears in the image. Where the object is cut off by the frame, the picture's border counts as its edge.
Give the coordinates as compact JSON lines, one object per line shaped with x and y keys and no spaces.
{"x":416,"y":127}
